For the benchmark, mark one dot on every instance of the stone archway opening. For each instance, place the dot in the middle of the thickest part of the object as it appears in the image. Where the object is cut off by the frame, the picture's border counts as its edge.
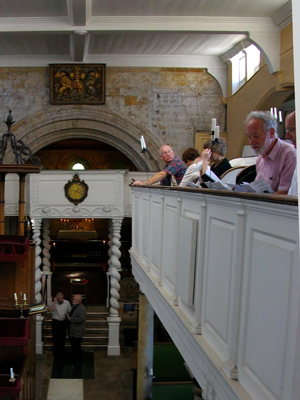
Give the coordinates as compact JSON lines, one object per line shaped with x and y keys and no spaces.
{"x":92,"y":154}
{"x":88,"y":122}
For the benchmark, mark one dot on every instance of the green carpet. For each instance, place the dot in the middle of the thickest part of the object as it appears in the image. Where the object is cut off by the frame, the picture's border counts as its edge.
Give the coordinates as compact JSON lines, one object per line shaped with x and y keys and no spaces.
{"x":168,"y":364}
{"x":174,"y":392}
{"x":63,"y":368}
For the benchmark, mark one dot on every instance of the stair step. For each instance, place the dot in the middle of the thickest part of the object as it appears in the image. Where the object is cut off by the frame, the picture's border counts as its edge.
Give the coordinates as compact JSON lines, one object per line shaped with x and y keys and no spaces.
{"x":48,"y":347}
{"x":99,"y":323}
{"x":96,"y":330}
{"x":85,"y":338}
{"x":94,"y":335}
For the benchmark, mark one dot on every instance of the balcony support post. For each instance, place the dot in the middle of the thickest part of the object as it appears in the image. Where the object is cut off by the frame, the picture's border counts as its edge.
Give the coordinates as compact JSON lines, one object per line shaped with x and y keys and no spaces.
{"x":145,"y":349}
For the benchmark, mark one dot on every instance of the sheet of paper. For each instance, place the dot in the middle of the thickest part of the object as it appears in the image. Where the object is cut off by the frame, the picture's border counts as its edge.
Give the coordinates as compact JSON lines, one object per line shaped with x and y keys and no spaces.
{"x":259,"y":186}
{"x":212,"y":176}
{"x":217,"y":185}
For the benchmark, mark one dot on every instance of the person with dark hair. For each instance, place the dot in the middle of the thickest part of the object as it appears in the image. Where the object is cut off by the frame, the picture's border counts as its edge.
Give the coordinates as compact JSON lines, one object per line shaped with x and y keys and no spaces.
{"x":60,"y":307}
{"x":192,"y":160}
{"x":276,"y":159}
{"x":216,"y":152}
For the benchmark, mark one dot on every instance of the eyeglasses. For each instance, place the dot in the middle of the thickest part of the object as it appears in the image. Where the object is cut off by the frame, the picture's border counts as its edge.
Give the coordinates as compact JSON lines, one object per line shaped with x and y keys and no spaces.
{"x":167,"y":152}
{"x":290,"y":130}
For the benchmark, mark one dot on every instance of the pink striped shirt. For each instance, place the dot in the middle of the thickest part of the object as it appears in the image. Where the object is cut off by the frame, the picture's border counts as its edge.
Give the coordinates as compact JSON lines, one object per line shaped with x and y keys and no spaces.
{"x":277,"y":168}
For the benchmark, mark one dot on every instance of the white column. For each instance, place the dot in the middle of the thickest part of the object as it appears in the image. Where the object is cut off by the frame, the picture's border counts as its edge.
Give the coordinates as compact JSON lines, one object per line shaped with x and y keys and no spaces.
{"x":145,"y":349}
{"x":113,"y":348}
{"x":46,"y":263}
{"x":38,"y":341}
{"x":49,"y":287}
{"x":110,"y":236}
{"x":36,"y":227}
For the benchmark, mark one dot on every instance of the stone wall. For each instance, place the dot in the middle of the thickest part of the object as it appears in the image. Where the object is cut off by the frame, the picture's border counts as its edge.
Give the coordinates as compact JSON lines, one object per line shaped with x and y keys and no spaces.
{"x":170,"y":103}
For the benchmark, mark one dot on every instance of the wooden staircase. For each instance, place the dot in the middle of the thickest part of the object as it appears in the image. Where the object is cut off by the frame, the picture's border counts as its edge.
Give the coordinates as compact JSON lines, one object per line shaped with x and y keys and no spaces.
{"x":96,"y":329}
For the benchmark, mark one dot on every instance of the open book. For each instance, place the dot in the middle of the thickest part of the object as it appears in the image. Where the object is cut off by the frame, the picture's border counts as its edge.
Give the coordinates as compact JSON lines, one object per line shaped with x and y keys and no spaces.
{"x":37,"y":308}
{"x":259,"y":186}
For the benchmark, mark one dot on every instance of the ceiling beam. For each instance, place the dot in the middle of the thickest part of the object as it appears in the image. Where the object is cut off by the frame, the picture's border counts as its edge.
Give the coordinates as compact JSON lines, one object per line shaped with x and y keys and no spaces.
{"x":78,"y":45}
{"x":141,"y":24}
{"x":78,"y":10}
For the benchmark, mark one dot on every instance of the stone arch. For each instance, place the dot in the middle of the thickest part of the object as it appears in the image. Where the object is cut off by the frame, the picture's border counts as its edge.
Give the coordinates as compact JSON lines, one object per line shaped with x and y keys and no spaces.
{"x":90,"y":122}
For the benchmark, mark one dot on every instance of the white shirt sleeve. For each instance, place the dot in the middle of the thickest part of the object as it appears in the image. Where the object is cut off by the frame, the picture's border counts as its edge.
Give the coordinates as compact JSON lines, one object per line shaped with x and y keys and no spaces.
{"x":191,"y":174}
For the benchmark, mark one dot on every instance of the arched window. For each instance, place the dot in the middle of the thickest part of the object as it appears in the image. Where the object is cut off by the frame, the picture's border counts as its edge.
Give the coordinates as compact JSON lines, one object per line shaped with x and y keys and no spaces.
{"x":78,"y":166}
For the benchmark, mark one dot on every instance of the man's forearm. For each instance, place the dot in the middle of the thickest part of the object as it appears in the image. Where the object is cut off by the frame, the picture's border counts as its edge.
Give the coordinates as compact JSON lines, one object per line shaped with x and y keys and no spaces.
{"x":281,"y":192}
{"x":155,"y":178}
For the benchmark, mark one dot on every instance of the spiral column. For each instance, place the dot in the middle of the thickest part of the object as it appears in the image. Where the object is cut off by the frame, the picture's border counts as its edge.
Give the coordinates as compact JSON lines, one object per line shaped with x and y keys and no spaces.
{"x":114,"y":265}
{"x":46,"y":278}
{"x":110,"y":235}
{"x":36,"y":228}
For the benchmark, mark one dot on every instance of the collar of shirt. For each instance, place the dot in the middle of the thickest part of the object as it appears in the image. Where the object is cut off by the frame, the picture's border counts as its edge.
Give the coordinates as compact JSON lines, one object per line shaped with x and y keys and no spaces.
{"x":273,"y":153}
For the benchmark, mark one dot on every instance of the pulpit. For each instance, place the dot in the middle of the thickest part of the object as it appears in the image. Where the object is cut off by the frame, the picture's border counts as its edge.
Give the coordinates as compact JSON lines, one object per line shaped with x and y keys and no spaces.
{"x":17,"y":282}
{"x":17,"y":328}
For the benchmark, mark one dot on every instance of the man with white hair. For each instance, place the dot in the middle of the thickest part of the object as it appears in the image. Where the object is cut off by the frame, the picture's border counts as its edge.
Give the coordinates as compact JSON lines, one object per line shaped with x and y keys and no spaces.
{"x":172,"y":173}
{"x":276,"y":159}
{"x":77,"y":328}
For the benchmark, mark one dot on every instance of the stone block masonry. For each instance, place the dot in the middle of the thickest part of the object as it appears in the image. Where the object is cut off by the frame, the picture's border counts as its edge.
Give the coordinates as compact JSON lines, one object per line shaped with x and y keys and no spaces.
{"x":171,"y":103}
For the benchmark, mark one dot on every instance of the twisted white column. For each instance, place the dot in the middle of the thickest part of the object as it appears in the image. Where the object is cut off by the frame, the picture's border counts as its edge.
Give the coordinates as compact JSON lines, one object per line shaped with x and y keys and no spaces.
{"x":110,"y":235}
{"x":36,"y":228}
{"x":114,"y":266}
{"x":46,"y":279}
{"x":46,"y":245}
{"x":113,"y":348}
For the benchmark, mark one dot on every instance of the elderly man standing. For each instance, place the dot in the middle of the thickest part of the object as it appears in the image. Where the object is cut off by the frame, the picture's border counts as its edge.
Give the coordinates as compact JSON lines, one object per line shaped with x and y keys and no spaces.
{"x":77,"y":319}
{"x":60,"y":307}
{"x":171,"y":174}
{"x":290,"y":132}
{"x":276,"y":159}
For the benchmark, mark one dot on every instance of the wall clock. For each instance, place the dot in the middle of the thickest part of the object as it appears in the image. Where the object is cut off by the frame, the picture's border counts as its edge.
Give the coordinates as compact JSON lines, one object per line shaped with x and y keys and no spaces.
{"x":76,"y":190}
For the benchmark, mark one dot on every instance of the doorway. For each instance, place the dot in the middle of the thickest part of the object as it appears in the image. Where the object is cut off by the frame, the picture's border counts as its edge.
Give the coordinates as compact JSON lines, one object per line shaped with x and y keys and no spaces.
{"x":79,"y":257}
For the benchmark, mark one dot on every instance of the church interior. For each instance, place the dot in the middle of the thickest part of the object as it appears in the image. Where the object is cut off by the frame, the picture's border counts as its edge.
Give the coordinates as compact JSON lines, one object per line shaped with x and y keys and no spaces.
{"x":173,"y":279}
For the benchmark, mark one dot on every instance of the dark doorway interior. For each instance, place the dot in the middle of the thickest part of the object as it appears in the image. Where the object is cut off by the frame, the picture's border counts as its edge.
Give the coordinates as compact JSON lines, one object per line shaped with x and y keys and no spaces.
{"x":79,"y":257}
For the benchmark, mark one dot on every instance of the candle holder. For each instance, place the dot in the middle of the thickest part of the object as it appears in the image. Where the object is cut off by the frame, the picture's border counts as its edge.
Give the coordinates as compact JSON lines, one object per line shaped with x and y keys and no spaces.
{"x":23,"y":304}
{"x":21,"y":308}
{"x":12,"y":380}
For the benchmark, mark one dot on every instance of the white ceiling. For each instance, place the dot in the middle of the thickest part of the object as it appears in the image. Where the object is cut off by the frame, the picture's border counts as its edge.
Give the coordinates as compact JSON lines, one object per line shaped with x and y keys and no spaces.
{"x":131,"y":32}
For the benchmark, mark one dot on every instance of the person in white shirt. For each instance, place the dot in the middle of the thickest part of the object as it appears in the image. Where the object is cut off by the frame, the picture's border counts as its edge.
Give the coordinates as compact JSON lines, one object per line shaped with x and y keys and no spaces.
{"x":290,"y":134}
{"x":60,"y":307}
{"x":192,"y":160}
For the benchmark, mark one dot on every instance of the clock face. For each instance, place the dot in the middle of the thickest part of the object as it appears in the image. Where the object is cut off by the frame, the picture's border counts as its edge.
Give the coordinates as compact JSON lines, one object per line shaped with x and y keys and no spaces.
{"x":76,"y":190}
